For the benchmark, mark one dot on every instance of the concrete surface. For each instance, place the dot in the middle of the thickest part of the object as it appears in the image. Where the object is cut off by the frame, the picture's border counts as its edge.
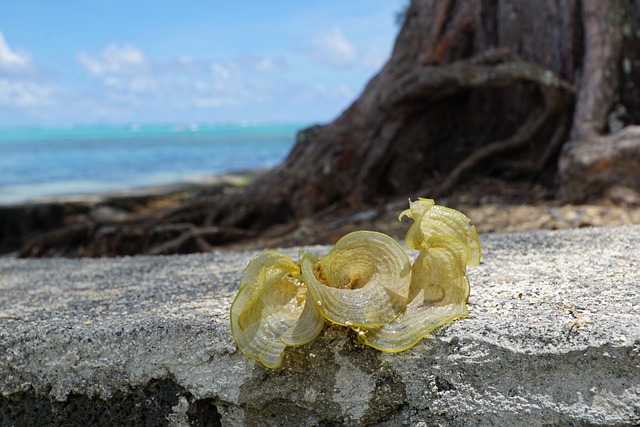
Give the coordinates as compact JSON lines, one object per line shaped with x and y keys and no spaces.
{"x":553,"y":338}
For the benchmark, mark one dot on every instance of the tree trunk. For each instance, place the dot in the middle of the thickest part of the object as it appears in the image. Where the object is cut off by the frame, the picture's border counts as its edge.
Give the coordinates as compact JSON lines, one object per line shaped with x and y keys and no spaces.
{"x":472,"y":88}
{"x":476,"y":87}
{"x":604,"y":148}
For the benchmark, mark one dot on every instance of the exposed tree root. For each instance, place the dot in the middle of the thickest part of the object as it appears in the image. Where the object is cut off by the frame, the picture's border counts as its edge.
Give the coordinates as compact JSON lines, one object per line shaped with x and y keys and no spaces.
{"x":553,"y":105}
{"x":198,"y":235}
{"x":54,"y":242}
{"x":494,"y":68}
{"x":595,"y":163}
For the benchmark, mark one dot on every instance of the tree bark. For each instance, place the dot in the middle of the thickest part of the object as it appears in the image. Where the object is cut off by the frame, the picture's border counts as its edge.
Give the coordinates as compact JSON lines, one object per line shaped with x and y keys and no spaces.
{"x":542,"y":91}
{"x":604,"y":148}
{"x":463,"y":75}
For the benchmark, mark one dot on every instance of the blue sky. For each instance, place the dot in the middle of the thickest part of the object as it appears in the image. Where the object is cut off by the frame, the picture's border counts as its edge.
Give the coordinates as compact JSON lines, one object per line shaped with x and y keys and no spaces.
{"x":188,"y":61}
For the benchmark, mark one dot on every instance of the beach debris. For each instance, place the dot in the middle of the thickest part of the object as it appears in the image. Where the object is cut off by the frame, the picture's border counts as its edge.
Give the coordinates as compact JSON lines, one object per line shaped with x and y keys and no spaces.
{"x":363,"y":281}
{"x":271,"y":310}
{"x":366,"y":283}
{"x":579,"y":321}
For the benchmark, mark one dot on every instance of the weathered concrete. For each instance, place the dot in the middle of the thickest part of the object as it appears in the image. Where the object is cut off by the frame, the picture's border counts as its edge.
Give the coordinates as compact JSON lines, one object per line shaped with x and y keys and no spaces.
{"x":553,"y":338}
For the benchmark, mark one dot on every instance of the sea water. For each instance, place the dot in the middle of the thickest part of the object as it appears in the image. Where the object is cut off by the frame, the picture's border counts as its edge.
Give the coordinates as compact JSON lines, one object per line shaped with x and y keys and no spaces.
{"x":38,"y":162}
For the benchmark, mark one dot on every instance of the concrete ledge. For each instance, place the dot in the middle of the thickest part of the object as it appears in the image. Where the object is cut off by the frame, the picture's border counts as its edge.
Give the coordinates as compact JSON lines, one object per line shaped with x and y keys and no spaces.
{"x":553,"y":338}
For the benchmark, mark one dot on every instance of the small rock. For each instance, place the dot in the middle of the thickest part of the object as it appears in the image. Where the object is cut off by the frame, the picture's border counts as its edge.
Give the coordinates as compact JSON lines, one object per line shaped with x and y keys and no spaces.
{"x":104,"y":214}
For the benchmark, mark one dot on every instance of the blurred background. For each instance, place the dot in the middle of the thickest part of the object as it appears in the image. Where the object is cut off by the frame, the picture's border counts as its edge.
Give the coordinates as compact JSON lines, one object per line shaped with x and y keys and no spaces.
{"x":115,"y":95}
{"x":164,"y":127}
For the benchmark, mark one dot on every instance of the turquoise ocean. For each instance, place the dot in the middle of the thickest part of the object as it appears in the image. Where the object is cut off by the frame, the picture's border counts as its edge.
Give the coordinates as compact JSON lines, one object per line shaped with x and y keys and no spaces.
{"x":37,"y":162}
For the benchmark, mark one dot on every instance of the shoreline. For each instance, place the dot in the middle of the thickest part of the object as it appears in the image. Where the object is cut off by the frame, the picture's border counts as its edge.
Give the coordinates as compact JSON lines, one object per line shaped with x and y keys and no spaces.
{"x":232,"y":178}
{"x":21,"y":222}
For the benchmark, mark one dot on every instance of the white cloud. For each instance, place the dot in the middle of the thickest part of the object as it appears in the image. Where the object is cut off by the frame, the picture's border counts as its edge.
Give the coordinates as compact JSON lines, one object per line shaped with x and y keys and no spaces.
{"x":114,"y":59}
{"x":252,"y":63}
{"x":125,"y":76}
{"x":122,"y":83}
{"x":136,"y":84}
{"x":25,"y":94}
{"x":22,"y":87}
{"x":10,"y":59}
{"x":332,"y":47}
